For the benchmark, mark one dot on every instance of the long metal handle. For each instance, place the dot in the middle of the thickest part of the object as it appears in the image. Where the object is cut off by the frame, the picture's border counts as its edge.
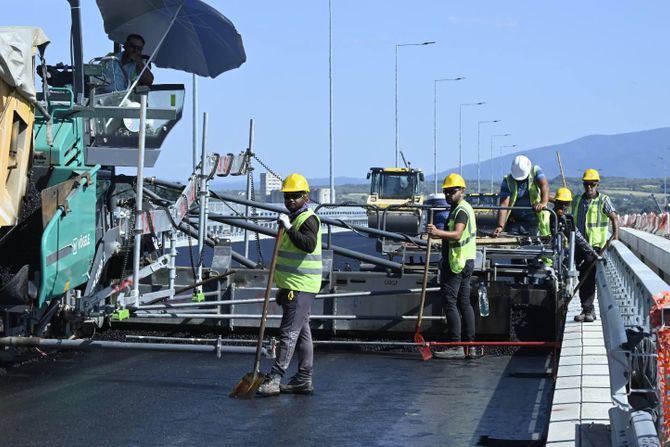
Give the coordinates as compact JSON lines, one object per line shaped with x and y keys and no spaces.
{"x":425,"y":275}
{"x":590,"y":267}
{"x":266,"y":303}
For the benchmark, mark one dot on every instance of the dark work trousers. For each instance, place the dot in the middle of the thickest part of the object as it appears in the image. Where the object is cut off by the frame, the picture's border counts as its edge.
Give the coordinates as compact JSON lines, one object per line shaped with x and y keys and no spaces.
{"x":455,"y":289}
{"x":587,"y":291}
{"x":295,"y":332}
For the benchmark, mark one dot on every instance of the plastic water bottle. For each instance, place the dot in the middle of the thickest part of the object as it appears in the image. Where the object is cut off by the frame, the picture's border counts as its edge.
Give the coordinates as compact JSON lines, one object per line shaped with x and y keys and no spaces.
{"x":483,"y":300}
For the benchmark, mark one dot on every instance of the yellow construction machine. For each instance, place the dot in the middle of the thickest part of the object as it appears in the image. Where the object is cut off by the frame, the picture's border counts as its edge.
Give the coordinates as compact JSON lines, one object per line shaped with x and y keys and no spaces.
{"x":394,"y":204}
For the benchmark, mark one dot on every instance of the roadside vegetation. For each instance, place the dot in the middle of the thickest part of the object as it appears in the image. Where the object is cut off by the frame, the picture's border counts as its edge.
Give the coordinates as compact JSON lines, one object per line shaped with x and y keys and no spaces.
{"x":628,"y":195}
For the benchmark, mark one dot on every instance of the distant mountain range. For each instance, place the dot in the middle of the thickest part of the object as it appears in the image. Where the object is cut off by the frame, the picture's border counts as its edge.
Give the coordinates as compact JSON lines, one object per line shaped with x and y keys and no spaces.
{"x":643,"y":154}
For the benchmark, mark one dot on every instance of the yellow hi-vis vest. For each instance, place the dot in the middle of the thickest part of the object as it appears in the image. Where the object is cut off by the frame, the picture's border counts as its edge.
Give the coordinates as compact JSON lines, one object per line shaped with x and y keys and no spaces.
{"x":596,"y":220}
{"x":296,"y":269}
{"x":465,"y":248}
{"x":535,"y":198}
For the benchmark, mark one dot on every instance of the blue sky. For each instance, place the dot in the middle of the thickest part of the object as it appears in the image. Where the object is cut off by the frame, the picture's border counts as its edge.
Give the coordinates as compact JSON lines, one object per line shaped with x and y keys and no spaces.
{"x":551,"y":71}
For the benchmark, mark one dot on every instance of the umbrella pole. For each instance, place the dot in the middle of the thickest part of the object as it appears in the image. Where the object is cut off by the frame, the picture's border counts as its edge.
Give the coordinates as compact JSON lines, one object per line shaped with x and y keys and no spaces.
{"x":139,"y":195}
{"x":202,"y":221}
{"x":250,"y":174}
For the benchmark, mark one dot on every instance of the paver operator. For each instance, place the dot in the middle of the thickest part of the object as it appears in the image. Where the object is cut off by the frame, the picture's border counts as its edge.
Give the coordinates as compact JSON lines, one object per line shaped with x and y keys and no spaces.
{"x":526,"y":185}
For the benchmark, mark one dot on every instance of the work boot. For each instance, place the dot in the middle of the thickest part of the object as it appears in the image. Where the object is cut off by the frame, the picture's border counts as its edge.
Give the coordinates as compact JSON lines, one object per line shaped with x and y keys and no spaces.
{"x":270,"y":387}
{"x":474,"y":352}
{"x":589,"y":317}
{"x":298,"y":385}
{"x":452,"y":353}
{"x":580,"y":317}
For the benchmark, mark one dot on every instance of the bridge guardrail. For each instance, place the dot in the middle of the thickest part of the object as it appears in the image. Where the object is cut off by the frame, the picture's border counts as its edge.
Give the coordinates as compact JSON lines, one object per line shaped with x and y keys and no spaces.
{"x":626,"y":287}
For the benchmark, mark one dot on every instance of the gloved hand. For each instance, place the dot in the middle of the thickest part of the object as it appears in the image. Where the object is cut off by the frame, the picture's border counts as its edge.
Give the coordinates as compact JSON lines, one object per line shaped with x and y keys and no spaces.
{"x":284,"y":221}
{"x":593,"y":257}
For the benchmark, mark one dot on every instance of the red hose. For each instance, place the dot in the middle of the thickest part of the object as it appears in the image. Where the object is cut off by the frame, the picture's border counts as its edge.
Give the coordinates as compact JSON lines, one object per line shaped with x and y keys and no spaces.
{"x":528,"y":344}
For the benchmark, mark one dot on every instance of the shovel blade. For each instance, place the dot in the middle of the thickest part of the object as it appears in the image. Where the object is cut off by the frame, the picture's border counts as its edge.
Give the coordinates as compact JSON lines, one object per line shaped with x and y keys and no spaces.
{"x":246,"y":388}
{"x":426,"y":353}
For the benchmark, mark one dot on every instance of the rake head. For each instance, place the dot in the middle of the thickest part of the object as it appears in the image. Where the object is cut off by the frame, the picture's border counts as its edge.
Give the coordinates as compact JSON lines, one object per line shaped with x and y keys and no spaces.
{"x":424,"y":350}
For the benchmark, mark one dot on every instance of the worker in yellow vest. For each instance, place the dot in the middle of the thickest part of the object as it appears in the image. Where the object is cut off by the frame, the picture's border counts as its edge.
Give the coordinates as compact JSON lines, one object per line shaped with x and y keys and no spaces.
{"x":525,"y":186}
{"x":592,"y":211}
{"x":298,"y":277}
{"x":459,"y":239}
{"x":566,"y":222}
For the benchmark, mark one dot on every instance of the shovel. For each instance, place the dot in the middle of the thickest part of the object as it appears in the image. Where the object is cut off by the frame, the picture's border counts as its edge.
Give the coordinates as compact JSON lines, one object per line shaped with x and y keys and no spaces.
{"x":247,"y":387}
{"x":424,"y":350}
{"x":590,"y":267}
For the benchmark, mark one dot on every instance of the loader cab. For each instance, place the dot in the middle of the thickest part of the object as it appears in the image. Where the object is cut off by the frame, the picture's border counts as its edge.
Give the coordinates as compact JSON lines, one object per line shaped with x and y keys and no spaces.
{"x":390,"y":185}
{"x":394,"y":204}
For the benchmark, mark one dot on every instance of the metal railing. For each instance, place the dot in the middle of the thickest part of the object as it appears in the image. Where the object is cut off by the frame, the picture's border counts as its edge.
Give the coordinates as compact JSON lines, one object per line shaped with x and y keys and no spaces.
{"x":625,"y":289}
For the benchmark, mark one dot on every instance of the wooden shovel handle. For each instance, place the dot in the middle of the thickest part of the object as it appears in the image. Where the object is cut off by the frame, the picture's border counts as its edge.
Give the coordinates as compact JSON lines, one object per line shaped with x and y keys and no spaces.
{"x":266,"y":303}
{"x":425,"y":275}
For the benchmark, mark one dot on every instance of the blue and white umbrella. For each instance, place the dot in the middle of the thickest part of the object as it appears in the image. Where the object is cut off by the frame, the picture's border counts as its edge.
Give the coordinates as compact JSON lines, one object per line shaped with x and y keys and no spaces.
{"x":186,"y":35}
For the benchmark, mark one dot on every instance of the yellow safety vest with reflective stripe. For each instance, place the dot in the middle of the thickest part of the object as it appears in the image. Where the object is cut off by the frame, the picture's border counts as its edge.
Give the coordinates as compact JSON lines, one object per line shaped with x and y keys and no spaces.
{"x":535,"y":198}
{"x":297,"y":269}
{"x":596,"y":220}
{"x":465,"y":248}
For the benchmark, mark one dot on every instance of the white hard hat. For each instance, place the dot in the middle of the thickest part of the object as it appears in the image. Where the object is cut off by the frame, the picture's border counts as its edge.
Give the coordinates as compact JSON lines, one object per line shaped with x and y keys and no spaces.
{"x":521,"y":167}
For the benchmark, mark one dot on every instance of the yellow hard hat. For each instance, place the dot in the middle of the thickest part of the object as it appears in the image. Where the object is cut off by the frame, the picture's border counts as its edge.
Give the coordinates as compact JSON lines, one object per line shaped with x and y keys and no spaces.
{"x":295,"y":183}
{"x":563,"y":195}
{"x":453,"y":180}
{"x":591,"y":175}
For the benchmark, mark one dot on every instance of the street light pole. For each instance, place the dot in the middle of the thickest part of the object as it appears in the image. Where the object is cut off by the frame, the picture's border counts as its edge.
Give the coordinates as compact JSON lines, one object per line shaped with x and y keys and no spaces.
{"x":491,"y":161}
{"x":396,"y":90}
{"x":460,"y":78}
{"x":330,"y":100}
{"x":500,"y":158}
{"x":460,"y":132}
{"x":479,"y":124}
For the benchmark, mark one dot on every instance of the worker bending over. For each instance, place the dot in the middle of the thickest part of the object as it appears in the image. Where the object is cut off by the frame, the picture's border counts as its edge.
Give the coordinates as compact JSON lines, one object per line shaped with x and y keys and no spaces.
{"x":459,"y":240}
{"x":566,"y":222}
{"x":526,"y":186}
{"x":298,"y":277}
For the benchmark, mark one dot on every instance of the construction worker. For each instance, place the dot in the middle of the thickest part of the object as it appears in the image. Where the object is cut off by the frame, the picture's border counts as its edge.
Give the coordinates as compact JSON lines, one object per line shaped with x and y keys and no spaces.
{"x":458,"y":263}
{"x":298,"y":277}
{"x":591,"y":212}
{"x":566,"y":222}
{"x":526,"y":186}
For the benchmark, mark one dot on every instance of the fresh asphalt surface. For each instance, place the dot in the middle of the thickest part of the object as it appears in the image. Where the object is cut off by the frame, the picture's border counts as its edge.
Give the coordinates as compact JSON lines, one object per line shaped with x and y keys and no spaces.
{"x":115,"y":398}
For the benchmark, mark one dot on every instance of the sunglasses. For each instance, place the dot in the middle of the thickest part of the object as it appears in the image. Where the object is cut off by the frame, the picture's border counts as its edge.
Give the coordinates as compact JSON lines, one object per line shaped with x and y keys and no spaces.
{"x":450,"y":191}
{"x":293,"y":195}
{"x":130,"y":46}
{"x":590,"y":184}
